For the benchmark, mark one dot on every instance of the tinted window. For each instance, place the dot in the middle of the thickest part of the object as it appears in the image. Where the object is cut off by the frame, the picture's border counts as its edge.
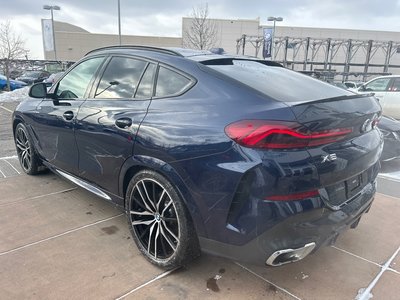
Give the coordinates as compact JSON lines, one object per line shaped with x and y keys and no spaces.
{"x":120,"y":78}
{"x":145,"y":88}
{"x":170,"y":83}
{"x":75,"y":83}
{"x":377,"y":85}
{"x":396,"y":85}
{"x":279,"y":83}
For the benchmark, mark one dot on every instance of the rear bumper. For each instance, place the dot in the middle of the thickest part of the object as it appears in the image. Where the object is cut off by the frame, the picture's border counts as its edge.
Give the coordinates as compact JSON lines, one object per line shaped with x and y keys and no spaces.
{"x":320,"y":226}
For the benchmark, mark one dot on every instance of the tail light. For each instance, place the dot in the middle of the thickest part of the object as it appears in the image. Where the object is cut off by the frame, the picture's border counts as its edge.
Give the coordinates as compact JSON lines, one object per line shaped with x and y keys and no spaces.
{"x":293,"y":197}
{"x":280,"y":135}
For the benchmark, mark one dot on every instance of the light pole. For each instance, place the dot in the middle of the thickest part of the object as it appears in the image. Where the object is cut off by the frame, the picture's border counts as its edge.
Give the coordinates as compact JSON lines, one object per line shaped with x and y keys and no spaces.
{"x":274,"y":19}
{"x":119,"y":22}
{"x":51,"y":8}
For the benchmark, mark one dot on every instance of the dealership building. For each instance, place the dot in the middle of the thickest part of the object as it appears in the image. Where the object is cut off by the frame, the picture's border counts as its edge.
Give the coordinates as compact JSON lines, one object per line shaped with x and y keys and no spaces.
{"x":345,"y":52}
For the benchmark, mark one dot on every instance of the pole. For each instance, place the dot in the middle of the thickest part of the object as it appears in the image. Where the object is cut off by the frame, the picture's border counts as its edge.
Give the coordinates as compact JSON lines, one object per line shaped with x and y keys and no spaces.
{"x":388,"y":55}
{"x":306,"y":54}
{"x":119,"y":22}
{"x":54,"y":35}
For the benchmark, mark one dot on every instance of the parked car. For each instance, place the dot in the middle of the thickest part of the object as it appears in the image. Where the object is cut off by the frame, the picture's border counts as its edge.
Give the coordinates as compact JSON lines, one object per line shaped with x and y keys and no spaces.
{"x":352,"y":84}
{"x":15,"y":73}
{"x":201,"y":153}
{"x":14,"y":84}
{"x":52,"y":78}
{"x":387,"y":90}
{"x":31,"y":77}
{"x":390,"y":129}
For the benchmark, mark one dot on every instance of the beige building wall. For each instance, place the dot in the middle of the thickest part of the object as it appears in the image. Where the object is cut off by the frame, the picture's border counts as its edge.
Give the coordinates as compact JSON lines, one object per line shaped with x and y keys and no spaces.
{"x":73,"y":42}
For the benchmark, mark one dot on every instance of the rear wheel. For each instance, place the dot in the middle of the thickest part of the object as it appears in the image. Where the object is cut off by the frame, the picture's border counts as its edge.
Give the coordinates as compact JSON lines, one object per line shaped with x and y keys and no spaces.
{"x":159,"y":221}
{"x":27,"y":156}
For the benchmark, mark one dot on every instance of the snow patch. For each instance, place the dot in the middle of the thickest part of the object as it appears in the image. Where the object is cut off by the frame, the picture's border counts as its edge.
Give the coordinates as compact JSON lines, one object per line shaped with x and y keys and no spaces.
{"x":15,"y":96}
{"x":361,"y":296}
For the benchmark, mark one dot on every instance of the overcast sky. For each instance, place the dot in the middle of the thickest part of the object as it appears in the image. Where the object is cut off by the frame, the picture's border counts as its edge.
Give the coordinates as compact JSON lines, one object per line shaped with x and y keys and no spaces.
{"x":164,"y":18}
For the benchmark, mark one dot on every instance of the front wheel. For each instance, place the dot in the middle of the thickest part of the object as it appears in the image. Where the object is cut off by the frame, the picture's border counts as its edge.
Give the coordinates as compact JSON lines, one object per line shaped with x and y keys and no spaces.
{"x":159,"y":221}
{"x":27,"y":156}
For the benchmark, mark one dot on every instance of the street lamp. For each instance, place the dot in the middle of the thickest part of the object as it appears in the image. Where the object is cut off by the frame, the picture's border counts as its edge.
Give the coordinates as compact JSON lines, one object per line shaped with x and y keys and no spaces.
{"x":119,"y":22}
{"x":51,"y":8}
{"x":274,"y":19}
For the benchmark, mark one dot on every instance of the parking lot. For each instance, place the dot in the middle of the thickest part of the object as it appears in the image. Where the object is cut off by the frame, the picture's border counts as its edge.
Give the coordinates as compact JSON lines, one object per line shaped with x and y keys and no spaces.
{"x":59,"y":241}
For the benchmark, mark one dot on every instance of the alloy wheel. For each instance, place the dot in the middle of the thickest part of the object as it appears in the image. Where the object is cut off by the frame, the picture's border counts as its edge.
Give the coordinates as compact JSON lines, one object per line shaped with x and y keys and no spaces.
{"x":24,"y":150}
{"x":154,"y":219}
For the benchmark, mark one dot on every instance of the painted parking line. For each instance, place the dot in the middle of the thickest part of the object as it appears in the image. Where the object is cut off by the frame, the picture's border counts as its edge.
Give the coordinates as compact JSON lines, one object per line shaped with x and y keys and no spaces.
{"x":8,"y":157}
{"x":14,"y":168}
{"x":9,"y":166}
{"x":158,"y":277}
{"x":5,"y":108}
{"x":38,"y":197}
{"x":357,"y":256}
{"x":366,"y":293}
{"x":59,"y":235}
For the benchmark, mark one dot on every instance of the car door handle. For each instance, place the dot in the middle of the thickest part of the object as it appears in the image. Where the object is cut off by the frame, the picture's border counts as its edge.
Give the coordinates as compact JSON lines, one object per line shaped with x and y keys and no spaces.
{"x":123,"y":123}
{"x":68,"y":115}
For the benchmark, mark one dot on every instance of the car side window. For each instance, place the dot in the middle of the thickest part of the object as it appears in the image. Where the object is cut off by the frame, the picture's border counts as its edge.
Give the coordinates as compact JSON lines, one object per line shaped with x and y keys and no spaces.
{"x":378,"y":85}
{"x":170,"y":83}
{"x":145,"y":88}
{"x":121,"y":78}
{"x":395,"y":86}
{"x":75,"y":83}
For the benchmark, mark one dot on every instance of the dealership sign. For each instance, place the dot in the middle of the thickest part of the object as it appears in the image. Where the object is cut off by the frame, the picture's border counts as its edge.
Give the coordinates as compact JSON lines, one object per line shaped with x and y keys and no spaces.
{"x":47,"y":30}
{"x":267,"y":49}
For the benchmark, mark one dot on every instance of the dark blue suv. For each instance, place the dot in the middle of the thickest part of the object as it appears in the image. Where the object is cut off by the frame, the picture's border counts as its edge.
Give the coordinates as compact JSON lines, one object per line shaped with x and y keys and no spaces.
{"x":231,"y":155}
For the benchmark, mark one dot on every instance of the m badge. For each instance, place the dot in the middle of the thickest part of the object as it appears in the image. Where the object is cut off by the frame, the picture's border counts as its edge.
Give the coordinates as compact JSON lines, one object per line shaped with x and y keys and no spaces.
{"x":329,"y":158}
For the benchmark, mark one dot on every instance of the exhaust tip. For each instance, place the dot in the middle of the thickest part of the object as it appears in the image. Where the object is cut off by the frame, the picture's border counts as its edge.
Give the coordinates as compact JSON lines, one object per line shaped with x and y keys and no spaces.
{"x":286,"y":256}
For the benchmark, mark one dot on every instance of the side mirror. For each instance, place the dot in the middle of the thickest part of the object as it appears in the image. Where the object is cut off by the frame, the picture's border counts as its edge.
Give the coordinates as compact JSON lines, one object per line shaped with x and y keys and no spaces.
{"x":38,"y":90}
{"x":361,"y":88}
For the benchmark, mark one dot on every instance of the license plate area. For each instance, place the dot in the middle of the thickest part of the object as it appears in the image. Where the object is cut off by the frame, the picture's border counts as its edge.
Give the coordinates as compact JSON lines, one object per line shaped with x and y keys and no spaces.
{"x":355,"y":184}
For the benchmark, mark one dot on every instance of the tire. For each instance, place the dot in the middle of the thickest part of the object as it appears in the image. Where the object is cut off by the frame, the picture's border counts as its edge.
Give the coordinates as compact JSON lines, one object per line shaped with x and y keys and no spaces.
{"x":28,"y":158}
{"x":159,"y":221}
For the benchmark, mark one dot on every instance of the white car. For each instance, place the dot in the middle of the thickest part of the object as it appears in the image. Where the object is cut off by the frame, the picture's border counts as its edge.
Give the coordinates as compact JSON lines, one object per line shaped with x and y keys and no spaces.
{"x":387,"y":90}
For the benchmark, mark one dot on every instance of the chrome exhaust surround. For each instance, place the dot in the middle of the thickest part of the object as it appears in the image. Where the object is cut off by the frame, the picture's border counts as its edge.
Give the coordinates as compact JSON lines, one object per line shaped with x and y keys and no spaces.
{"x":286,"y":256}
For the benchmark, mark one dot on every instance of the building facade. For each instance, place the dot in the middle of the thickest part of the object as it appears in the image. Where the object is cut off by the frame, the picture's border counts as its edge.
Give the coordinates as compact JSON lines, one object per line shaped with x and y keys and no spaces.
{"x":344,"y":51}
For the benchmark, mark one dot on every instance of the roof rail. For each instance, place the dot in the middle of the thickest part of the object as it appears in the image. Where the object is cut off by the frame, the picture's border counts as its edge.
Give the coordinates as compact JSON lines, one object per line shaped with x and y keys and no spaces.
{"x":137,"y":47}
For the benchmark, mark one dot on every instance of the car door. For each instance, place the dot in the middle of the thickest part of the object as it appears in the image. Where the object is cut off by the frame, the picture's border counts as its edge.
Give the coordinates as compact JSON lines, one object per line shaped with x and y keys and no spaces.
{"x":54,"y":123}
{"x":108,"y":121}
{"x":391,"y":105}
{"x":377,"y":86}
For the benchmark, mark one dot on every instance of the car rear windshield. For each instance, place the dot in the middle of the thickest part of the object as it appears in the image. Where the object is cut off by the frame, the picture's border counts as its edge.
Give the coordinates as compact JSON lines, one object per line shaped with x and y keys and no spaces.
{"x":277,"y":82}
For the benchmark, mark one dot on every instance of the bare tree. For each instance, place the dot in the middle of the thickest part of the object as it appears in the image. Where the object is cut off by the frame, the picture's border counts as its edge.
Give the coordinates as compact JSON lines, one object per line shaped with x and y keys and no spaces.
{"x":12,"y":47}
{"x":202,"y":32}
